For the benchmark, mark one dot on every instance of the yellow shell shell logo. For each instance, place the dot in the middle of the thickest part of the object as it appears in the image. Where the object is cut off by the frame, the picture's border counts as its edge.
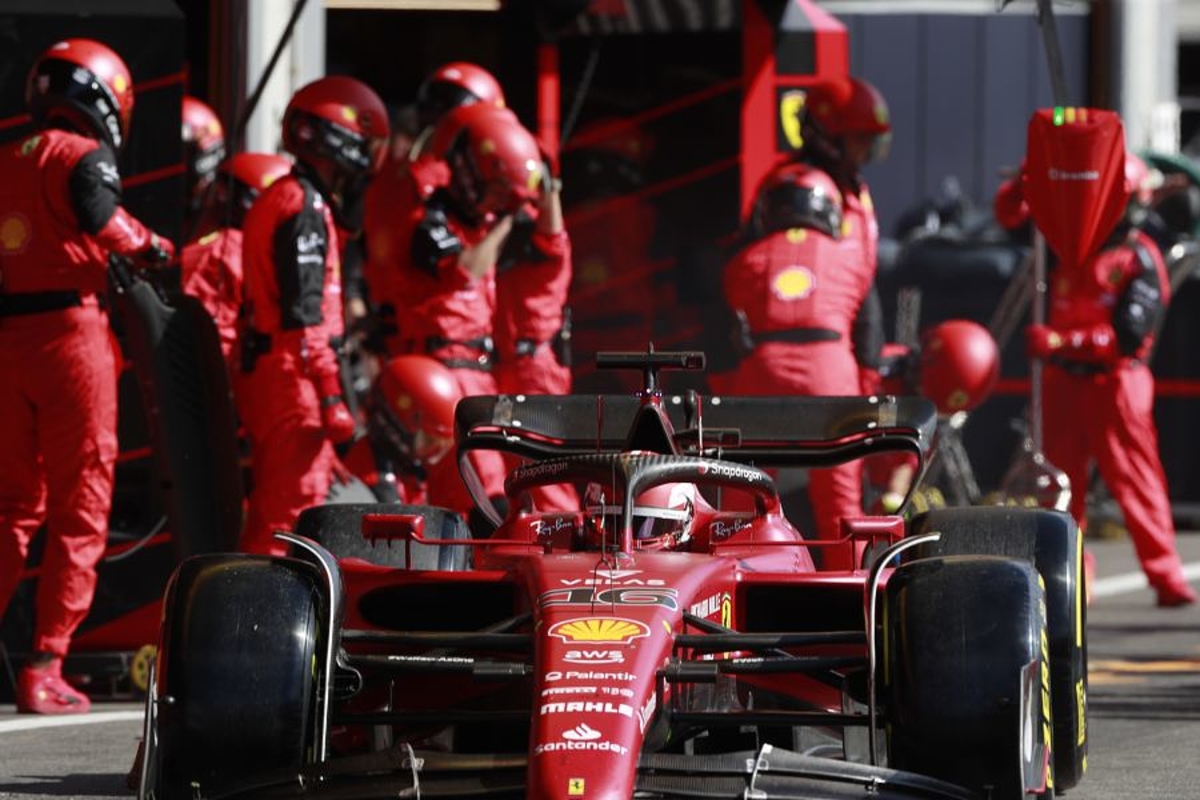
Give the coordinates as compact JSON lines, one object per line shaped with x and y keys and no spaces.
{"x":794,"y":283}
{"x":597,"y":629}
{"x":119,"y":83}
{"x":14,"y":233}
{"x":404,"y":402}
{"x":796,"y":235}
{"x":350,"y":113}
{"x":957,"y":399}
{"x":487,"y":147}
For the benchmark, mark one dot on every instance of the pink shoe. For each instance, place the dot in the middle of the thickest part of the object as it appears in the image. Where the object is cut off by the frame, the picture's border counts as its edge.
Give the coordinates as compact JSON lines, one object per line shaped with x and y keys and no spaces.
{"x":42,"y":690}
{"x":1175,"y":592}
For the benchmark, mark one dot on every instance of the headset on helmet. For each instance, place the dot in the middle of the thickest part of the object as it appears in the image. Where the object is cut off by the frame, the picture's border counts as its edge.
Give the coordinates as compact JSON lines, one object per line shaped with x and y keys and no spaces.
{"x":496,"y":164}
{"x":242,"y":178}
{"x":459,"y":83}
{"x":84,"y":85}
{"x":203,"y":147}
{"x":337,"y":122}
{"x":412,"y":409}
{"x":796,"y":196}
{"x":960,"y":365}
{"x":836,"y":109}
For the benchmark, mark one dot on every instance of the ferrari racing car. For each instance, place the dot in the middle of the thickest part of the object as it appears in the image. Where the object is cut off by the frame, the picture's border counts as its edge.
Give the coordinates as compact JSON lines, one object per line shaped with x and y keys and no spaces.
{"x":672,"y":637}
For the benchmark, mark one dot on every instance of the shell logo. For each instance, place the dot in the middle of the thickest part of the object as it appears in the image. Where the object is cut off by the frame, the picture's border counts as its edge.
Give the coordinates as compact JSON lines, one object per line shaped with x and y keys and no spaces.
{"x":14,"y":233}
{"x":119,"y":83}
{"x":487,"y":147}
{"x":796,"y":235}
{"x":957,"y":399}
{"x":599,"y":629}
{"x":349,"y":113}
{"x":404,"y":402}
{"x":794,"y":283}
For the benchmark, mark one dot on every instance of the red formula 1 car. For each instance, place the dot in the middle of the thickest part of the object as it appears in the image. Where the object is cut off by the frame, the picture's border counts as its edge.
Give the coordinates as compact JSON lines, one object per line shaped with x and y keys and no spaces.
{"x":669,"y":639}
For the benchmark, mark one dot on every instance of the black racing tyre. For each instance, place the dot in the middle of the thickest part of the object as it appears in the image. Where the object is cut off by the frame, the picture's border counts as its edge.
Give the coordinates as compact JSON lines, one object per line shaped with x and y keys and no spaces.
{"x":338,"y":528}
{"x":963,"y":692}
{"x":1052,"y":542}
{"x":236,"y":689}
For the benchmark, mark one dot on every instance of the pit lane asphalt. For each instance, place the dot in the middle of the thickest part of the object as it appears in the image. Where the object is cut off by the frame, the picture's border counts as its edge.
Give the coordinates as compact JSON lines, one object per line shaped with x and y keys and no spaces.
{"x":1144,"y":705}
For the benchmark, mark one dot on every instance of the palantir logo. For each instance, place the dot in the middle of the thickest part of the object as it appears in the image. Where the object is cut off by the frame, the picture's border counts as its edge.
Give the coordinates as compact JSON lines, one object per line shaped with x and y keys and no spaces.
{"x":581,"y":733}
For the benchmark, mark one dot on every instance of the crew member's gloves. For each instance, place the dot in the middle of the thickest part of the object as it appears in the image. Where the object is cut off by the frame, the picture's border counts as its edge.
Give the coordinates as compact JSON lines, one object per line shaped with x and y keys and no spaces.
{"x":335,"y":416}
{"x":158,"y":252}
{"x":1041,"y":341}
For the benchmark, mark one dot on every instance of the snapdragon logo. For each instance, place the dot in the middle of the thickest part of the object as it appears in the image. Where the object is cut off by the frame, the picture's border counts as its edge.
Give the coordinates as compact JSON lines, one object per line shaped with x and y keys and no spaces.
{"x":1066,"y":175}
{"x":733,"y":471}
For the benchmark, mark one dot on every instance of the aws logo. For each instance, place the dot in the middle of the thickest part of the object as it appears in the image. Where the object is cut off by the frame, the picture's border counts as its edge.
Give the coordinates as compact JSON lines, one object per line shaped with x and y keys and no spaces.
{"x":15,"y":232}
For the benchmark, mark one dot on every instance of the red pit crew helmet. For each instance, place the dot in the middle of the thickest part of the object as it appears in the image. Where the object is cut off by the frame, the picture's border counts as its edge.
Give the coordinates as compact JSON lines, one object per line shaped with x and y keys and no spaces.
{"x":338,"y":124}
{"x":837,"y":110}
{"x":960,"y":365}
{"x":495,"y":163}
{"x":242,"y":178}
{"x":203,"y":147}
{"x":459,"y":83}
{"x":86,"y":86}
{"x":413,"y":403}
{"x":796,"y":196}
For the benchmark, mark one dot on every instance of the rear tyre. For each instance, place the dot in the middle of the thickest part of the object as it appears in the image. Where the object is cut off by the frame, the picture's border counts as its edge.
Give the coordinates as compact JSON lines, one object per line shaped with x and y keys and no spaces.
{"x":338,"y":528}
{"x":963,"y":686}
{"x":1051,"y":541}
{"x":236,"y":690}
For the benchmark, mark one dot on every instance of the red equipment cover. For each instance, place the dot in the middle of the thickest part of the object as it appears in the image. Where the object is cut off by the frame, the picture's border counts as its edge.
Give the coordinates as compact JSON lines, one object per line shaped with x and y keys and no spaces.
{"x":1075,"y":178}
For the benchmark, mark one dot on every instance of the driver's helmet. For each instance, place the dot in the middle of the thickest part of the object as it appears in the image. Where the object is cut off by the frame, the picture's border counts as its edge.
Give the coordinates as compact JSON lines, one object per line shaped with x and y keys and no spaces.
{"x":663,"y":516}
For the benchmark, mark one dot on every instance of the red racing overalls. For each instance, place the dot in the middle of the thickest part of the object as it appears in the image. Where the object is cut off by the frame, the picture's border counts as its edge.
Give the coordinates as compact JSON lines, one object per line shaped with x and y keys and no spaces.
{"x":413,"y":244}
{"x":292,"y":321}
{"x":211,"y":271}
{"x":60,"y":217}
{"x":800,"y":299}
{"x":1098,"y":399}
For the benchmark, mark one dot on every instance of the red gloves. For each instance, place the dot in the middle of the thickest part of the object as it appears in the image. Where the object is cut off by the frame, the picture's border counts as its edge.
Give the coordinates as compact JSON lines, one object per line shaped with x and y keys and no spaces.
{"x":158,"y":252}
{"x":1041,"y":341}
{"x":339,"y":423}
{"x":1091,"y":344}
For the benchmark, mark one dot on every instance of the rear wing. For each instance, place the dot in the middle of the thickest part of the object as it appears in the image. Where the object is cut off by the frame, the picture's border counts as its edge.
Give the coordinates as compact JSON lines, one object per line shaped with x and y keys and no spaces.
{"x":763,"y":431}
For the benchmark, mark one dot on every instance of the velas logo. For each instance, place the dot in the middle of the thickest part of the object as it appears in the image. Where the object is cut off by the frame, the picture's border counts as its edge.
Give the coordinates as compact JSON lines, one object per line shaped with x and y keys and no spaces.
{"x":793,"y":283}
{"x":14,"y":233}
{"x":599,"y":629}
